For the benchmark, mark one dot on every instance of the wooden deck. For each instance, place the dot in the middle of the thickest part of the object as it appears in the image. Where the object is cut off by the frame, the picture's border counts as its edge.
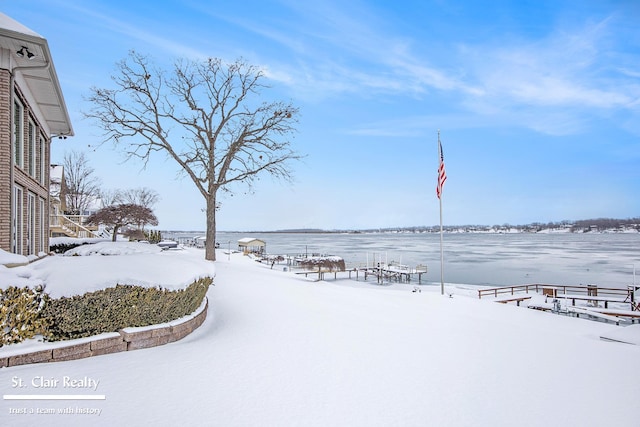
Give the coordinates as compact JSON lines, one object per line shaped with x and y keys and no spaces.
{"x":592,"y":299}
{"x":393,"y":273}
{"x":588,"y":293}
{"x":516,"y":299}
{"x":595,"y":296}
{"x":321,"y":273}
{"x":381,"y":274}
{"x":612,"y":312}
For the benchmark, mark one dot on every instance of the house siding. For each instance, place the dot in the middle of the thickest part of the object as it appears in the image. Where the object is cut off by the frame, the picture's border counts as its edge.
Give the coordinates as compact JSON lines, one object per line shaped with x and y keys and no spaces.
{"x":30,"y":184}
{"x":5,"y":160}
{"x":35,"y":87}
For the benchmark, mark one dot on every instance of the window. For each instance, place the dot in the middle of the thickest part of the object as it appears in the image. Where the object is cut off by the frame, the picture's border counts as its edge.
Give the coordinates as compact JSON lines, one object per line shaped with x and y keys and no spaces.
{"x":16,"y":223}
{"x":42,"y":218}
{"x":18,"y":150}
{"x":42,"y":162}
{"x":31,"y":223}
{"x":31,"y":149}
{"x":38,"y":176}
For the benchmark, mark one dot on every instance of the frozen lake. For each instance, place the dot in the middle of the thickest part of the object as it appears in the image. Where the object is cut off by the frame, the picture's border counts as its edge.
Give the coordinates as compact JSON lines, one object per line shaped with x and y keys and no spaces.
{"x":605,"y":259}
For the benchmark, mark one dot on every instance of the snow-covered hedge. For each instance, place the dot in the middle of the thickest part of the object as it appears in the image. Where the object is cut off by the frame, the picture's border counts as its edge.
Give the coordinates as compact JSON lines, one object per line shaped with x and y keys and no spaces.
{"x":61,"y":248}
{"x":99,"y":287}
{"x":20,"y":313}
{"x":60,"y":245}
{"x":26,"y":312}
{"x":118,"y":307}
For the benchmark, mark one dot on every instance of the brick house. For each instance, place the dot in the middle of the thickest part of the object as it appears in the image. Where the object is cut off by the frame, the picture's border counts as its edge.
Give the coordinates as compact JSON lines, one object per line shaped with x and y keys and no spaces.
{"x":32,"y":112}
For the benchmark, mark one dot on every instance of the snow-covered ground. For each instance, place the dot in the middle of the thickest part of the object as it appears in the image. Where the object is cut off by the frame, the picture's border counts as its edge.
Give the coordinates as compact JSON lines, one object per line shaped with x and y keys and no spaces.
{"x":280,"y":350}
{"x":100,"y":265}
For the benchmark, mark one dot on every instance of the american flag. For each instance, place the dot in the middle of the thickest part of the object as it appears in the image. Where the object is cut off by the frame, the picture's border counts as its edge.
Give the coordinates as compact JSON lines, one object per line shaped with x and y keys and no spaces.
{"x":442,"y":174}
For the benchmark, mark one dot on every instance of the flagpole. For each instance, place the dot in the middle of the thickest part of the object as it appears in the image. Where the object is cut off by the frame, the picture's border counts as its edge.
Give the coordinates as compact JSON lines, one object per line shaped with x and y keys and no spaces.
{"x":441,"y":252}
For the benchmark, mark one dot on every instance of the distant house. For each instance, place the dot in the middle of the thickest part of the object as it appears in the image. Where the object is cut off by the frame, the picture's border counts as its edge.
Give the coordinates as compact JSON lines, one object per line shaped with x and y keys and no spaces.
{"x":62,"y":224}
{"x":57,"y":199}
{"x":252,"y":245}
{"x":32,"y":112}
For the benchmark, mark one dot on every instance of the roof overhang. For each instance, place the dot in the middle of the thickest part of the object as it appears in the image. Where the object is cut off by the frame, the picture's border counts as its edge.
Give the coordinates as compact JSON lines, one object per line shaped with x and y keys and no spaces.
{"x":38,"y":73}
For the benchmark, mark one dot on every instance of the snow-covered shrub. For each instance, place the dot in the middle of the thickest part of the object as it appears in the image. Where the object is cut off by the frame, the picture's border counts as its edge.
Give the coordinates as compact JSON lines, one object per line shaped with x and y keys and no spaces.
{"x":122,"y":306}
{"x":20,"y":313}
{"x":61,"y":248}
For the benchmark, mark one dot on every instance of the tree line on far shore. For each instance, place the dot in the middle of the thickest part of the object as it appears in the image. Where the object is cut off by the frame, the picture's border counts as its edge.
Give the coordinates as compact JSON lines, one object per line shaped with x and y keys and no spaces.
{"x":577,"y":226}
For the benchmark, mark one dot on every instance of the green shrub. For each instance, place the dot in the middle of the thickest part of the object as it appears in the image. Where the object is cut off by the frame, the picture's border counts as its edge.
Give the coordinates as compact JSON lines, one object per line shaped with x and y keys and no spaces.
{"x":122,"y":306}
{"x":21,"y":313}
{"x":153,"y":236}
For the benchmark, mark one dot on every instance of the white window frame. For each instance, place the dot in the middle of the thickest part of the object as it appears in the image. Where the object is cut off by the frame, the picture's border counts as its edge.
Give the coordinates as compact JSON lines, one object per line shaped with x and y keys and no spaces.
{"x":17,"y":221}
{"x":18,"y":135}
{"x":31,"y":223}
{"x":43,"y":159}
{"x":31,"y":148}
{"x":43,"y":218}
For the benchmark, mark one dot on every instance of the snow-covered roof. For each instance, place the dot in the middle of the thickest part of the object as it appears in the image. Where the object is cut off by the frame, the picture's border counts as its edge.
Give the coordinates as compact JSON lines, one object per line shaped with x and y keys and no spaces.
{"x":55,"y":180}
{"x":38,"y":73}
{"x":251,"y":241}
{"x":13,"y":25}
{"x":55,"y":173}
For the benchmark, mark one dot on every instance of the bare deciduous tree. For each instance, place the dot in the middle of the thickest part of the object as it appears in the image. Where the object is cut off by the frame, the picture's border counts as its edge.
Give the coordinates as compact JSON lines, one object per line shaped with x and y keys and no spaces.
{"x":142,"y":196}
{"x":207,"y":116}
{"x":82,"y":187}
{"x":110,"y":197}
{"x":123,"y":215}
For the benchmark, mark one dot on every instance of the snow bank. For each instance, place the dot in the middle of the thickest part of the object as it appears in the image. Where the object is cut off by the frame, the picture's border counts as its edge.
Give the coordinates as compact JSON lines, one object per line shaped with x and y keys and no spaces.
{"x":101,"y":265}
{"x":73,"y":240}
{"x":114,"y":248}
{"x":8,"y":258}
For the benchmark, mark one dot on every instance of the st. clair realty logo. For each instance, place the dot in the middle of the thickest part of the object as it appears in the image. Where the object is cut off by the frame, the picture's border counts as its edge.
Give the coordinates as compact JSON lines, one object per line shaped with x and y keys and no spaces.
{"x":65,"y":382}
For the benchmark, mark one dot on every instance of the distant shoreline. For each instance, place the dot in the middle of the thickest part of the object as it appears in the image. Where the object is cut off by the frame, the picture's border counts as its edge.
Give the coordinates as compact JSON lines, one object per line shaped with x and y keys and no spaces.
{"x":426,"y":230}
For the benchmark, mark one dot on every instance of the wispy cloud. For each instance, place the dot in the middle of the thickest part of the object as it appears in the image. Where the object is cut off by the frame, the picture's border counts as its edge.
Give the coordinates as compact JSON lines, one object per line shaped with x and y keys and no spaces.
{"x":419,"y":125}
{"x":553,"y":85}
{"x":568,"y":73}
{"x":133,"y":32}
{"x":334,"y":49}
{"x":545,"y":84}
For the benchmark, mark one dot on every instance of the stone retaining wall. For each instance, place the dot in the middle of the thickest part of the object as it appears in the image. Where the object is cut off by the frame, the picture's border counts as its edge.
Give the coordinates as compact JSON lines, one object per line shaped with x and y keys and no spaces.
{"x":124,"y":340}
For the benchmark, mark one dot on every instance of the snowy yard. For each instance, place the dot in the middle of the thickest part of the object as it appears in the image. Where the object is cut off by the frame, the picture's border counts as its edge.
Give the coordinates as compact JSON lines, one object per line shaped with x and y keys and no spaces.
{"x":280,"y":350}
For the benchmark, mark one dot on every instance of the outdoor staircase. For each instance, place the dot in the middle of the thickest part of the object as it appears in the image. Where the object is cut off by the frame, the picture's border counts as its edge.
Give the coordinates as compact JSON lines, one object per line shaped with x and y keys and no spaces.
{"x":62,"y":224}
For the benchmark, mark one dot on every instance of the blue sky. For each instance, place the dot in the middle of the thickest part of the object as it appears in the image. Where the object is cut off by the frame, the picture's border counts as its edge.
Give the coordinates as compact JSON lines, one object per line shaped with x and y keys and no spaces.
{"x":538,"y":105}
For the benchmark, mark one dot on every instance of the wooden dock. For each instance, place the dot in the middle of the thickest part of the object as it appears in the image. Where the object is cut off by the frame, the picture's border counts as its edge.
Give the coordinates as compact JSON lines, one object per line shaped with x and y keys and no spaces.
{"x":381,"y":274}
{"x":381,"y":271}
{"x":386,"y":273}
{"x":394,"y":273}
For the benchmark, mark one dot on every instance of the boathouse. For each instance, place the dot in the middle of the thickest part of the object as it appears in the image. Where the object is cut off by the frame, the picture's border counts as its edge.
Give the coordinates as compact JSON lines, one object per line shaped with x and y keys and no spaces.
{"x":252,"y":245}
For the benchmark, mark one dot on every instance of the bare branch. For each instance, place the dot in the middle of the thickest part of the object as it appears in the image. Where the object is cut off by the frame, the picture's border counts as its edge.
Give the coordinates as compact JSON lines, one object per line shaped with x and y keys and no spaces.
{"x":81,"y":186}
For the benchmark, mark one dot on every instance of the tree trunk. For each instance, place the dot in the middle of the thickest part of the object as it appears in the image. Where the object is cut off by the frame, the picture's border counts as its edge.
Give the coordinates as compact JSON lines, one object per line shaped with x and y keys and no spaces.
{"x":210,"y":242}
{"x":115,"y":233}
